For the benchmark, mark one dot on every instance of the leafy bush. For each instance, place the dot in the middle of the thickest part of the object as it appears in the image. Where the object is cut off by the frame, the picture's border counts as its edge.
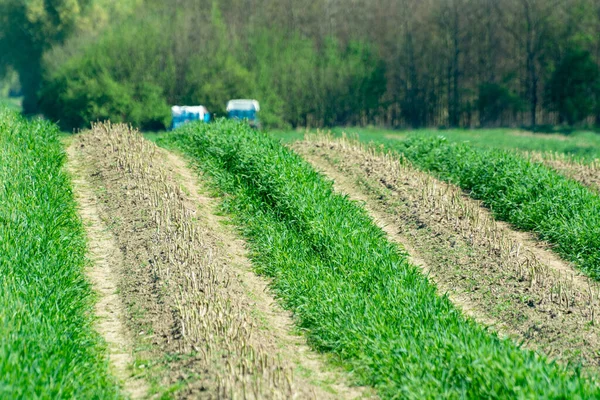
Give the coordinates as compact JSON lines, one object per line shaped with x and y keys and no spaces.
{"x":163,"y":56}
{"x":103,"y":84}
{"x":494,"y":102}
{"x":574,"y":88}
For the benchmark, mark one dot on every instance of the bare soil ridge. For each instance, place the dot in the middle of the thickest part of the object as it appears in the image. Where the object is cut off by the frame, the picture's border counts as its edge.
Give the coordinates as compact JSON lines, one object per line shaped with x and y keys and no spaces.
{"x":207,"y":323}
{"x":105,"y":259}
{"x":501,"y":277}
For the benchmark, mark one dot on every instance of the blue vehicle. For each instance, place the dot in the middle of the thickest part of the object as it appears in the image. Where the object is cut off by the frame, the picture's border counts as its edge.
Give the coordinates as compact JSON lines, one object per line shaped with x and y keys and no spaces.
{"x":184,"y":114}
{"x":243,"y":109}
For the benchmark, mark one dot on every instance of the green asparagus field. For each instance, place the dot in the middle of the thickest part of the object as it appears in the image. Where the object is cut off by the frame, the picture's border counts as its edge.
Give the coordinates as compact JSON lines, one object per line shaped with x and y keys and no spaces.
{"x":352,"y":291}
{"x":529,"y":195}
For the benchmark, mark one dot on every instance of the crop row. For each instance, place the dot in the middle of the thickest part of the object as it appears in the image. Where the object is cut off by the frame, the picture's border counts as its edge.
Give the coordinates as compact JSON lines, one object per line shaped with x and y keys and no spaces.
{"x":527,"y":194}
{"x":48,"y":348}
{"x":352,"y":291}
{"x":581,"y":146}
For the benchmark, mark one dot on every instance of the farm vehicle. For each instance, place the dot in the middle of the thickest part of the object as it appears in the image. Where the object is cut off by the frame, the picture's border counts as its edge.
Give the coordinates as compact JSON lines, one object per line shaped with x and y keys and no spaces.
{"x":184,"y":114}
{"x":243,"y":109}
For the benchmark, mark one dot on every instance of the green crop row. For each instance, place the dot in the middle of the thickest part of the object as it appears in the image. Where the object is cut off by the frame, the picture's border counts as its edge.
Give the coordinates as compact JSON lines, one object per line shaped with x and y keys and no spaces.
{"x":352,"y":291}
{"x":48,"y":348}
{"x":580,"y":145}
{"x":527,"y":194}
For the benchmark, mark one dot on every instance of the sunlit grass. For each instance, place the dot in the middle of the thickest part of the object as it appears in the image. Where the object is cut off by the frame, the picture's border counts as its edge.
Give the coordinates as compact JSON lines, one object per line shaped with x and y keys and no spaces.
{"x":12,"y":103}
{"x":48,"y":348}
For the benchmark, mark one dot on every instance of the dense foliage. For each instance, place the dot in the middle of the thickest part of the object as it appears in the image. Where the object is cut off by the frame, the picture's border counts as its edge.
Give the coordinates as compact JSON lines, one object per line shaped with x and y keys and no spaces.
{"x":322,"y":63}
{"x":574,"y":87}
{"x":526,"y":194}
{"x":29,"y":29}
{"x":48,"y":348}
{"x":294,"y":81}
{"x":352,"y":291}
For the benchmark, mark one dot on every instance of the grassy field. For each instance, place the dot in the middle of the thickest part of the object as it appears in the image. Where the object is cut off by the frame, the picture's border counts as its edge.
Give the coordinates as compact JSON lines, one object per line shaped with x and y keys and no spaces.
{"x":11,"y":103}
{"x":351,"y":290}
{"x":350,"y":286}
{"x":154,"y":136}
{"x":48,"y":348}
{"x":503,"y":278}
{"x":583,"y":145}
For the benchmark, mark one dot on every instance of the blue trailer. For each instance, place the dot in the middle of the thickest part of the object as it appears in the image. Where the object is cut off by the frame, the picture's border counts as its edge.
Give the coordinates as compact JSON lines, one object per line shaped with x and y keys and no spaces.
{"x":184,"y":114}
{"x":244,"y":109}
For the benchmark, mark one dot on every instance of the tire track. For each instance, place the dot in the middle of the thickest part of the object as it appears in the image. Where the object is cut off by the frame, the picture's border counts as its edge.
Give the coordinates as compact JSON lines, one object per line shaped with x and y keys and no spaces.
{"x":106,"y":259}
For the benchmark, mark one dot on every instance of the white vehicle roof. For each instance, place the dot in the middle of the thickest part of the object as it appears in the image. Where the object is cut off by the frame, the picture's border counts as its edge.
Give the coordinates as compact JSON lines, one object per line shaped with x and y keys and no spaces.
{"x":243,"y":104}
{"x":177,"y":111}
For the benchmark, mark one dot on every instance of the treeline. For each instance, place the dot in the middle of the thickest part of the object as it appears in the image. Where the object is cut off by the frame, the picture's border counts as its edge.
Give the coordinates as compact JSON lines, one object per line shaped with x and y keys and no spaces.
{"x":400,"y":63}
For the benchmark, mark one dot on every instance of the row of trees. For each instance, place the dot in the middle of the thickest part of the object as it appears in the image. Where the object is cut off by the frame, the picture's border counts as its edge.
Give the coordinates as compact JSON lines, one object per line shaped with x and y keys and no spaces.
{"x":316,"y":62}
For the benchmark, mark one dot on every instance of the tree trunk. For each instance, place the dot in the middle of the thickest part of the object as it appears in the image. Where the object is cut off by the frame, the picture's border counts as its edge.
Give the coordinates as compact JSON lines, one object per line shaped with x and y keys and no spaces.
{"x":455,"y":122}
{"x":532,"y":78}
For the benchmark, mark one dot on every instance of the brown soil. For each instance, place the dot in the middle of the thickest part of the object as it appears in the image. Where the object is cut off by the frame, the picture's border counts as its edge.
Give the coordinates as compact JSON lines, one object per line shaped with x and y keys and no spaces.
{"x":106,"y":259}
{"x":500,"y":277}
{"x":206,"y":325}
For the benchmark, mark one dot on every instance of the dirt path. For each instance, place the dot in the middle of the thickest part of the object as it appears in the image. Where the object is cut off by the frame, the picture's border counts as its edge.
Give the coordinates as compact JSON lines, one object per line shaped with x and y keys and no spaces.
{"x":106,"y":259}
{"x":206,"y":326}
{"x":500,"y":277}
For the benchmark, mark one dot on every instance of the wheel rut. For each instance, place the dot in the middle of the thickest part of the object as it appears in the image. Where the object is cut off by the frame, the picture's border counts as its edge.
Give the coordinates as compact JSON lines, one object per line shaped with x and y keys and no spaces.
{"x":106,"y":259}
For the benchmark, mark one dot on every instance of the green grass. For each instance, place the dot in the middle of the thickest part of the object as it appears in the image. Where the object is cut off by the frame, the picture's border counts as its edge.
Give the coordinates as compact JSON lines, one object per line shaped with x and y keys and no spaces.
{"x":11,"y":103}
{"x":352,"y":291}
{"x":527,"y":194}
{"x":48,"y":348}
{"x":153,"y":136}
{"x":583,"y":145}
